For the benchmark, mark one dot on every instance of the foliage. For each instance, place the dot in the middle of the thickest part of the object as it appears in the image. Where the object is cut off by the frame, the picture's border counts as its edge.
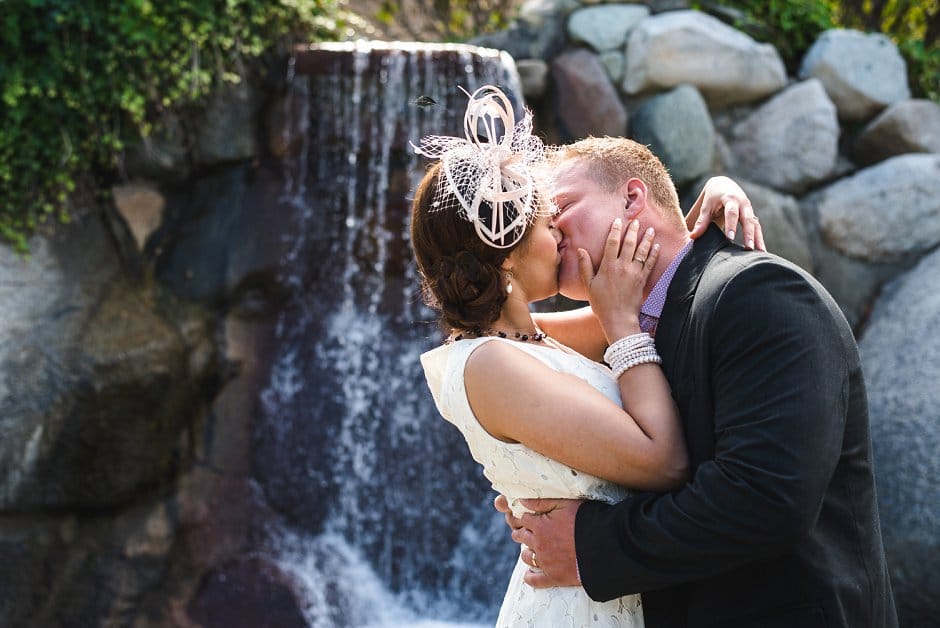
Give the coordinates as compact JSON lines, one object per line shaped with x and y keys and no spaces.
{"x":448,"y":20}
{"x":793,"y":25}
{"x":77,"y":79}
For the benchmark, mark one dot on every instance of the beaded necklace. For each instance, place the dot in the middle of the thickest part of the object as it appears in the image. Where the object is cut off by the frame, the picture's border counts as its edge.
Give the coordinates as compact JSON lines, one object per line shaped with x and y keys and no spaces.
{"x":535,"y":336}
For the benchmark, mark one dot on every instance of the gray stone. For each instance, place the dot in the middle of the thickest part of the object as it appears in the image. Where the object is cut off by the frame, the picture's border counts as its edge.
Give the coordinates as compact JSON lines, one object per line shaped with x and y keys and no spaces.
{"x":533,"y":74}
{"x":677,"y":128}
{"x":862,"y":73}
{"x":908,"y":126}
{"x":677,"y":47}
{"x":535,"y":11}
{"x":588,"y":104}
{"x":791,"y":141}
{"x":161,"y":156}
{"x":226,"y":130}
{"x":901,"y":357}
{"x":524,"y":41}
{"x":605,"y":27}
{"x":538,"y":32}
{"x":92,"y":376}
{"x":98,"y":566}
{"x":252,"y":591}
{"x":886,"y":212}
{"x":853,"y":283}
{"x":613,"y":63}
{"x":219,"y":248}
{"x":782,"y":224}
{"x":661,"y":6}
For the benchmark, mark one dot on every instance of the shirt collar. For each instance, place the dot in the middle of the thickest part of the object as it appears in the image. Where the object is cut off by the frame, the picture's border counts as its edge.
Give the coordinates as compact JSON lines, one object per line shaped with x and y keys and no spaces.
{"x":653,"y":306}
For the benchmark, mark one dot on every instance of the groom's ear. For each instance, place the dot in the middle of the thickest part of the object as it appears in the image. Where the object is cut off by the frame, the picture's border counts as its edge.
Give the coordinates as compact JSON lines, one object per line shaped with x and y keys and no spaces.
{"x":635,"y":194}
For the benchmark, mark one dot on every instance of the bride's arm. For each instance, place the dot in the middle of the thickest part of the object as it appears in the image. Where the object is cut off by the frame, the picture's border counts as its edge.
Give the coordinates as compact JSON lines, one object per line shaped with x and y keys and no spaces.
{"x":518,"y":398}
{"x":723,"y":202}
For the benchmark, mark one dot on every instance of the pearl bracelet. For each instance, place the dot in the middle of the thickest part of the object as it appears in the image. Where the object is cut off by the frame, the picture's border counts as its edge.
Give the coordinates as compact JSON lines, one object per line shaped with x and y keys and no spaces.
{"x":631,"y":351}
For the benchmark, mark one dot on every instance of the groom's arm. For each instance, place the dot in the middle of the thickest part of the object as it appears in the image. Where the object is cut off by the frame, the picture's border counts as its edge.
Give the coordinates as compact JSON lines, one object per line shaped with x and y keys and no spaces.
{"x":780,"y":378}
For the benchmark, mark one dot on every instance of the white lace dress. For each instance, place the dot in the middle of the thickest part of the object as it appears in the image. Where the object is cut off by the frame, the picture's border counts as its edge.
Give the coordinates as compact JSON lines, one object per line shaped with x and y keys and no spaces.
{"x":519,"y":472}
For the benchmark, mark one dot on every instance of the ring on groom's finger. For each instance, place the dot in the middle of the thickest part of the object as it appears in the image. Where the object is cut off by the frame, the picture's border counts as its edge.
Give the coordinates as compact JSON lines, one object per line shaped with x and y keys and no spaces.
{"x":535,"y":563}
{"x":637,"y":259}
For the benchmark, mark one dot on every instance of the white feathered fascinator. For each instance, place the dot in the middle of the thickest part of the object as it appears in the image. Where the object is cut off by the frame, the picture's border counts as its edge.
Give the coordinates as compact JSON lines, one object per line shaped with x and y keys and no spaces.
{"x":489,"y":177}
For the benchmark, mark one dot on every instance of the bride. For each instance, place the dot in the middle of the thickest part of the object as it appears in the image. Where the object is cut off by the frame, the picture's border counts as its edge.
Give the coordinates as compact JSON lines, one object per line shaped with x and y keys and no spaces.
{"x":541,"y":419}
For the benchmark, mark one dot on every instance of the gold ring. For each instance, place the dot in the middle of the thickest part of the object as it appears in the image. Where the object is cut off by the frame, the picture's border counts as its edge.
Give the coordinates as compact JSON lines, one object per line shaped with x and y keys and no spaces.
{"x":637,"y":259}
{"x":535,"y":563}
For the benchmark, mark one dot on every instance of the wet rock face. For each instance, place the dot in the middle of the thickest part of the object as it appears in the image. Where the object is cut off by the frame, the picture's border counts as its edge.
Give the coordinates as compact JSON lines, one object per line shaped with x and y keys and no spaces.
{"x":101,"y":379}
{"x":98,"y":383}
{"x":250,"y":593}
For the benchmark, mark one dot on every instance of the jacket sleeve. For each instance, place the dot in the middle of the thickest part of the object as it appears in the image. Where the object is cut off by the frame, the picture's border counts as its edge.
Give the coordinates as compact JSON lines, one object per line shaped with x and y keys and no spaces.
{"x":779,"y":375}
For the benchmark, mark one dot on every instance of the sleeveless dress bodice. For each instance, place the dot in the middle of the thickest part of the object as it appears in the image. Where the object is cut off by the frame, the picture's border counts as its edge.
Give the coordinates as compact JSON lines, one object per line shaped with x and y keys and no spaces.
{"x":519,"y":473}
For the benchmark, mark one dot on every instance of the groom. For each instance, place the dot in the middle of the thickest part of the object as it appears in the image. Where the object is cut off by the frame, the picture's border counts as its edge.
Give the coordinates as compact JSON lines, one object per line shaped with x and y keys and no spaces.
{"x":778,"y":526}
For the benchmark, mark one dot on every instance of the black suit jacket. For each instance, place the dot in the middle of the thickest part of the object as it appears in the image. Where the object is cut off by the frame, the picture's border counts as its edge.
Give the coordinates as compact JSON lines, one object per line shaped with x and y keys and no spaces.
{"x":778,"y":526}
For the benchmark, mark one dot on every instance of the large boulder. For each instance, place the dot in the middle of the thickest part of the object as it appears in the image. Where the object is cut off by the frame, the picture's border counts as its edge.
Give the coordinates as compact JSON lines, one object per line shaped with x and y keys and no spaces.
{"x":80,"y":570}
{"x":95,"y":375}
{"x":538,"y":32}
{"x":226,"y":129}
{"x":908,"y":126}
{"x":887,"y":212}
{"x":862,"y":73}
{"x":677,"y":47}
{"x":791,"y":142}
{"x":588,"y":104}
{"x":782,"y":223}
{"x":533,"y":74}
{"x":103,"y":383}
{"x":215,"y":247}
{"x":677,"y":128}
{"x":901,"y":356}
{"x":605,"y":27}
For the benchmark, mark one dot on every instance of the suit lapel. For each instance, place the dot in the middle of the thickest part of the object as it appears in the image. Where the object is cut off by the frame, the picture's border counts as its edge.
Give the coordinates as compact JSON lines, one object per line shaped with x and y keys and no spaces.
{"x":679,"y":296}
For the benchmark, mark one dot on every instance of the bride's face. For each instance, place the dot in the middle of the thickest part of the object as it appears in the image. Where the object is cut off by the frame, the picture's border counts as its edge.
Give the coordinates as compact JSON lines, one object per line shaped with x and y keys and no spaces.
{"x":536,"y":263}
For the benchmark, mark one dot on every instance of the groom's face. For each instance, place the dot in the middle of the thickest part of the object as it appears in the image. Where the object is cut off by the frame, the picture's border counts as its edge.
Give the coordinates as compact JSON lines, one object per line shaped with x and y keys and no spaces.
{"x":585,"y":213}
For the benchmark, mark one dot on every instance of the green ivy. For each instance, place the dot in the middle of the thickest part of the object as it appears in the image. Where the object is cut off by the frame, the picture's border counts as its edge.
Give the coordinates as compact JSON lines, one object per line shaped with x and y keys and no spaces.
{"x":78,"y":78}
{"x":923,"y":67}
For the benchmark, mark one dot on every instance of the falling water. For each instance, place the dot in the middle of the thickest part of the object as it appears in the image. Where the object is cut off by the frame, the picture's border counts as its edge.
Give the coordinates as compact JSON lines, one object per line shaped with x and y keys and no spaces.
{"x":383,"y":518}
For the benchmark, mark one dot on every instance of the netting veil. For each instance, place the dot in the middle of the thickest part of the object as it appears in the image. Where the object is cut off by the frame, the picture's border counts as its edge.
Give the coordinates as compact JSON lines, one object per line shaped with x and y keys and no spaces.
{"x":490,"y":176}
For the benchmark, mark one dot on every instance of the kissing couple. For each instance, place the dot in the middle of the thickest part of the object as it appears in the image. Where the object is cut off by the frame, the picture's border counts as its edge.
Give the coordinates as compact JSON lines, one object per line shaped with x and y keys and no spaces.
{"x":690,"y":450}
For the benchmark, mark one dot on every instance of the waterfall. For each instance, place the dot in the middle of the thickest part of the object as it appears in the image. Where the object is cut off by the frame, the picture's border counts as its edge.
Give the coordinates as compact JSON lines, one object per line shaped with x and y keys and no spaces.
{"x":382,"y":516}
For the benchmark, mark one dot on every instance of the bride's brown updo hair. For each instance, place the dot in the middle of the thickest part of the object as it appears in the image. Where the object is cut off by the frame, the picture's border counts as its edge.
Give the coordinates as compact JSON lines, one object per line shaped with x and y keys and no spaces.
{"x":461,"y":276}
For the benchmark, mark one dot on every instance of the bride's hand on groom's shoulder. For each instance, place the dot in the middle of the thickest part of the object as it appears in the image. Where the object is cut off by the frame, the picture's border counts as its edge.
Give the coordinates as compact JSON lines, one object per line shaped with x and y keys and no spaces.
{"x":547,"y":537}
{"x":616,"y":289}
{"x":724,"y":202}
